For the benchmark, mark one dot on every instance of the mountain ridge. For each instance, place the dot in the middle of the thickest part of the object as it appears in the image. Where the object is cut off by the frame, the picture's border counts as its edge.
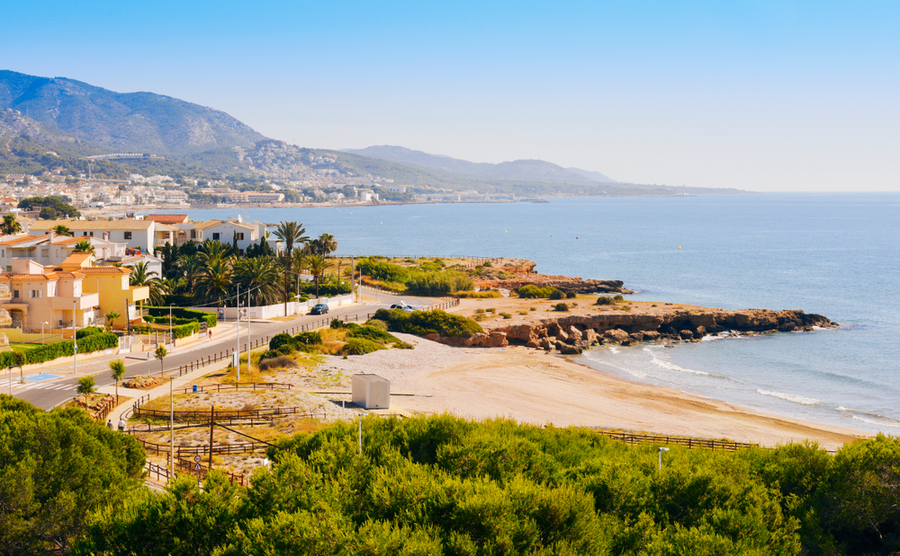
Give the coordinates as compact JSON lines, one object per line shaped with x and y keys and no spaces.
{"x":524,"y":169}
{"x":140,"y":121}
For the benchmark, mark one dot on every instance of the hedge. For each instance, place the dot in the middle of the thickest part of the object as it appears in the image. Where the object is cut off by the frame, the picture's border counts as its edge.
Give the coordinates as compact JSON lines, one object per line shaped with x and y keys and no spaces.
{"x":181,"y":312}
{"x":49,"y":352}
{"x":88,"y":331}
{"x":185,"y":330}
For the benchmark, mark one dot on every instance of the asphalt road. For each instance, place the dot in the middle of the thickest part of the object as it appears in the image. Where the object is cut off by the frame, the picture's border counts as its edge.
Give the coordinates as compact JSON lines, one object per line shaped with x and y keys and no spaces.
{"x":54,"y":391}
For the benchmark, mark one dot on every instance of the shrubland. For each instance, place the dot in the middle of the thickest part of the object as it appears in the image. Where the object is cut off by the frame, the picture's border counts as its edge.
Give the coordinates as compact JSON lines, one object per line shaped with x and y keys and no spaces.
{"x":443,"y":485}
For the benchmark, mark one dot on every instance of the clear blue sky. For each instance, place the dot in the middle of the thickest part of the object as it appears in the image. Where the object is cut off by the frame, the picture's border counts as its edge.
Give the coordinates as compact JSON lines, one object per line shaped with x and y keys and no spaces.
{"x":768,"y":96}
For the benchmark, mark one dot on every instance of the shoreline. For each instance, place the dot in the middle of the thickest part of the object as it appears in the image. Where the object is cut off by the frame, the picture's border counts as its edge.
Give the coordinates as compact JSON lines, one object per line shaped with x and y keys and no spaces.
{"x":530,"y":386}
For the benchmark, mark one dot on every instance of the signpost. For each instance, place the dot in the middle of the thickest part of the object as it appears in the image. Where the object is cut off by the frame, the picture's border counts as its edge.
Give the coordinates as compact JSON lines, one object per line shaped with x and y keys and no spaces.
{"x":197,"y":468}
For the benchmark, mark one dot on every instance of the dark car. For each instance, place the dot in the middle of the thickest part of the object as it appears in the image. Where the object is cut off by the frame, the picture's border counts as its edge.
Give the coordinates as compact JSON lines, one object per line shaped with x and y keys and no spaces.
{"x":319,"y":309}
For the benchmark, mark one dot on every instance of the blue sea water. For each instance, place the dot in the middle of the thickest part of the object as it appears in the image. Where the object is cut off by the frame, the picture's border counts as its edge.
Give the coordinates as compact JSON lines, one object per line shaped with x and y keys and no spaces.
{"x":833,"y":254}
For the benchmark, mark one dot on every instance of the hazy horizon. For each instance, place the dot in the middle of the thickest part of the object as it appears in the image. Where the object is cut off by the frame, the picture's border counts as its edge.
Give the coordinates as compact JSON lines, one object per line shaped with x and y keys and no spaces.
{"x":762,"y":96}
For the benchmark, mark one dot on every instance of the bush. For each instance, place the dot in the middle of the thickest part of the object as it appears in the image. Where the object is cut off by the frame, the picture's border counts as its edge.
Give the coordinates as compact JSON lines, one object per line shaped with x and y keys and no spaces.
{"x":373,"y":334}
{"x":286,"y":349}
{"x":185,"y":330}
{"x":279,"y":340}
{"x":375,"y":323}
{"x":619,"y":298}
{"x":336,"y":324}
{"x":49,"y":352}
{"x":604,"y":300}
{"x":444,"y":282}
{"x":141,"y":328}
{"x":486,"y":294}
{"x":422,"y":323}
{"x":570,"y":295}
{"x":279,"y":362}
{"x":360,"y":346}
{"x":530,"y":291}
{"x":268,"y":354}
{"x":308,"y":338}
{"x":557,"y":294}
{"x":182,"y":313}
{"x":560,"y":307}
{"x":381,"y":270}
{"x":88,"y":331}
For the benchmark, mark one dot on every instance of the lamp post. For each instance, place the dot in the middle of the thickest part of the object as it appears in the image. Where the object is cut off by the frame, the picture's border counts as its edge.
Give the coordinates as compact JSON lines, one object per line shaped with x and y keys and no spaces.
{"x":74,"y":339}
{"x":661,"y":450}
{"x":171,"y":429}
{"x":249,"y":363}
{"x":171,"y":335}
{"x":42,"y":332}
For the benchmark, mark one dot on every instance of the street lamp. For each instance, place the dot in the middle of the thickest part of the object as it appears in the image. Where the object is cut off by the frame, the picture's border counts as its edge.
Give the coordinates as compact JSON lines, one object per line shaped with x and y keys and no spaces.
{"x":74,"y":339}
{"x":661,"y":450}
{"x":171,"y":335}
{"x":42,"y":332}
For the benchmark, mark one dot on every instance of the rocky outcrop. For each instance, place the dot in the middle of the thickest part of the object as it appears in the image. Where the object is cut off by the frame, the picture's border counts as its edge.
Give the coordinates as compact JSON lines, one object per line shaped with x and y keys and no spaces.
{"x":490,"y":339}
{"x":573,"y":333}
{"x":564,"y":283}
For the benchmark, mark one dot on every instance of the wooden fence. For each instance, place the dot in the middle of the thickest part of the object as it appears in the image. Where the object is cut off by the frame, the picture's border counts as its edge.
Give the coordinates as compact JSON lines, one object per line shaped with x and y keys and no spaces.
{"x":631,"y":438}
{"x":196,"y":416}
{"x":187,"y":467}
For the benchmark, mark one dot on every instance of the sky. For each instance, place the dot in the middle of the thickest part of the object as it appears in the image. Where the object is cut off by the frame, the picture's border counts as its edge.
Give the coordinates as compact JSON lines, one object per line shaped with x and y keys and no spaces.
{"x":757,"y":95}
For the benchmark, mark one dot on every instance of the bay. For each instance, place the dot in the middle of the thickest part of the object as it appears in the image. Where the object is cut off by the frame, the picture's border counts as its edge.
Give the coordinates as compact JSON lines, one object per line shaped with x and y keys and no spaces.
{"x":832,"y":254}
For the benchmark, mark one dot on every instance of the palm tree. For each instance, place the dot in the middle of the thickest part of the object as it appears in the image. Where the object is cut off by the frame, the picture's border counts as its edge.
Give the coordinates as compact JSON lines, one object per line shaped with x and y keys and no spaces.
{"x":117,"y":367}
{"x":215,"y":279}
{"x":324,"y":245}
{"x":86,"y":385}
{"x":260,"y":276}
{"x":110,"y":318}
{"x":62,"y":230}
{"x":192,"y":267}
{"x":84,"y":246}
{"x":290,"y":233}
{"x":10,"y":226}
{"x":317,"y":266}
{"x":141,"y":275}
{"x":160,"y":354}
{"x":214,"y":250}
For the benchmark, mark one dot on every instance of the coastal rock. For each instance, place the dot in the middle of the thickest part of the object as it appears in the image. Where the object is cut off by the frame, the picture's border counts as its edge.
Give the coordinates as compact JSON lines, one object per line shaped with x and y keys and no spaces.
{"x":590,"y":337}
{"x":561,"y":335}
{"x":546,"y":343}
{"x":567,"y":349}
{"x":575,"y":335}
{"x":616,"y":336}
{"x":686,"y":334}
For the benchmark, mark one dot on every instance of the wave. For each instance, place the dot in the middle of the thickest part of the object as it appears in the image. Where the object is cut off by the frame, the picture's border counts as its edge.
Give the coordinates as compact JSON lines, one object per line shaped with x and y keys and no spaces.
{"x":672,"y":366}
{"x":877,"y":423}
{"x":789,"y":397}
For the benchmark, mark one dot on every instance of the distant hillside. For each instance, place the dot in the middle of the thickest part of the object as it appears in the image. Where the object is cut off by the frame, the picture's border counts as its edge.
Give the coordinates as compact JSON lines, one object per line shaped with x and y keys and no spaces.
{"x":66,"y":109}
{"x":519,"y":170}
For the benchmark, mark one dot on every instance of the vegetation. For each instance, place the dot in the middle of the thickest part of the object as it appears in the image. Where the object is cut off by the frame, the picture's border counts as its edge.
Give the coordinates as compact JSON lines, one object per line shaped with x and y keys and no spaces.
{"x":422,"y":323}
{"x":560,"y":307}
{"x":430,"y":278}
{"x":605,"y":300}
{"x":117,"y":370}
{"x":485,"y":294}
{"x":86,"y":385}
{"x":60,"y":206}
{"x":86,"y":344}
{"x":530,"y":291}
{"x":55,"y":468}
{"x":442,"y":485}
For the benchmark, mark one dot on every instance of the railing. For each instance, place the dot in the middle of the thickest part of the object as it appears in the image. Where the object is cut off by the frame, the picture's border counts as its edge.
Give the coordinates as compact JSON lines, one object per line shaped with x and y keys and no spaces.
{"x":104,"y":411}
{"x":630,"y":438}
{"x":188,"y":466}
{"x":162,"y":473}
{"x":235,"y":414}
{"x":237,"y":386}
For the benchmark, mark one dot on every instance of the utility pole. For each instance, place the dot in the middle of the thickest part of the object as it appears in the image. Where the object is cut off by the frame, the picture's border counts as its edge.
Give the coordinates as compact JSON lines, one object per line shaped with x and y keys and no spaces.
{"x":249,"y":363}
{"x":237,"y":349}
{"x":212,"y":424}
{"x":171,"y":332}
{"x":171,"y":428}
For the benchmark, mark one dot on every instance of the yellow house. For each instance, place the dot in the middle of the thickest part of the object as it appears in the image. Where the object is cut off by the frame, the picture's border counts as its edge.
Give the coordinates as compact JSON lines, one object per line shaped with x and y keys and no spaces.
{"x":111,"y":283}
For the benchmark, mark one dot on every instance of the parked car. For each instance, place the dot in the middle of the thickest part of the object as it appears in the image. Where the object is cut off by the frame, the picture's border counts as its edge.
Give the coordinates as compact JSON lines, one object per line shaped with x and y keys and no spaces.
{"x":319,"y":309}
{"x":405,"y":307}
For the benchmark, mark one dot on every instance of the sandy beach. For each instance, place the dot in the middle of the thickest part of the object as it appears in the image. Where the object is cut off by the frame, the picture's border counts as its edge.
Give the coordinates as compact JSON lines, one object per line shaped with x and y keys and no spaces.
{"x":534,"y":387}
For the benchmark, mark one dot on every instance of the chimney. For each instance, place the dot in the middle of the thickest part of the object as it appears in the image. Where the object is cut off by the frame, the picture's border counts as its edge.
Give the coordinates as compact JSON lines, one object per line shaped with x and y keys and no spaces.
{"x":51,"y":235}
{"x":106,"y":236}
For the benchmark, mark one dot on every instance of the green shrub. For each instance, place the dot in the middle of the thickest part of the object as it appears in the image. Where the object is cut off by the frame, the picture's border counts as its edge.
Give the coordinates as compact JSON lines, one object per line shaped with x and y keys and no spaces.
{"x":560,"y":307}
{"x":444,"y":282}
{"x":165,"y":320}
{"x":375,"y":323}
{"x":381,"y":270}
{"x":279,"y":340}
{"x":604,"y":300}
{"x":619,"y":298}
{"x":141,"y":328}
{"x":422,"y":323}
{"x":336,"y":324}
{"x":49,"y":352}
{"x":285,"y":349}
{"x":557,"y":294}
{"x":530,"y":291}
{"x":88,"y":331}
{"x":506,"y":315}
{"x":373,"y":334}
{"x":181,"y":312}
{"x":570,"y":295}
{"x":308,"y":338}
{"x":360,"y":346}
{"x":485,"y":294}
{"x":268,"y":354}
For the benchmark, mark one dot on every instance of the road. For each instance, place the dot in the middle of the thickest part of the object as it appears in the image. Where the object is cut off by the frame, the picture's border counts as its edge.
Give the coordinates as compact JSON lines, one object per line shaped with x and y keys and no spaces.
{"x":60,"y":387}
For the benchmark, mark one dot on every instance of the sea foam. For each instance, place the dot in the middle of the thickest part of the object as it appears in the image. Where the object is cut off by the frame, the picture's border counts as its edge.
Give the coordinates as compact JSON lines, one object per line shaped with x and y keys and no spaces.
{"x":789,"y":397}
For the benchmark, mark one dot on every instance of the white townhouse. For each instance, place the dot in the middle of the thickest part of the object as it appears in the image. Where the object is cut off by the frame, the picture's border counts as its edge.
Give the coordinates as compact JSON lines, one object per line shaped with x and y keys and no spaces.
{"x":144,"y":234}
{"x":52,"y":249}
{"x":226,"y":231}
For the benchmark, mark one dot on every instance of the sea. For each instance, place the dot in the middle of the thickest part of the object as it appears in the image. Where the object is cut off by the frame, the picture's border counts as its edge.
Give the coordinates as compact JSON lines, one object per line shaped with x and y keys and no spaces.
{"x":837,"y":255}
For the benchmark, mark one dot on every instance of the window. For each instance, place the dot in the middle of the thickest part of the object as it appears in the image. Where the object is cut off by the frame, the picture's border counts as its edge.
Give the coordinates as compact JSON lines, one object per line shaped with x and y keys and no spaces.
{"x":34,"y":294}
{"x":193,"y":234}
{"x":240,"y":236}
{"x":127,"y":235}
{"x":216,"y":236}
{"x":83,"y":233}
{"x":45,"y":252}
{"x":16,"y":294}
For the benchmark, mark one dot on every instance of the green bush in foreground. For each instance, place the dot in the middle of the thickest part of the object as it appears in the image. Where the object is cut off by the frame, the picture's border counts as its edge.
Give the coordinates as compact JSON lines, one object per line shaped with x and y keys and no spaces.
{"x":605,"y":300}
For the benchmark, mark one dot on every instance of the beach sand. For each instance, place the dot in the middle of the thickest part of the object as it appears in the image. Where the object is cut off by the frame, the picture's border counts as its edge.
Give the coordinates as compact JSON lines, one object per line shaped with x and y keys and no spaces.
{"x":531,"y":386}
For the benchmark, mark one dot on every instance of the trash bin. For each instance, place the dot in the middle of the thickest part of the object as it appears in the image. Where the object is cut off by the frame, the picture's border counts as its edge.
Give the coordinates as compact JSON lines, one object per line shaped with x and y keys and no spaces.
{"x":195,"y":388}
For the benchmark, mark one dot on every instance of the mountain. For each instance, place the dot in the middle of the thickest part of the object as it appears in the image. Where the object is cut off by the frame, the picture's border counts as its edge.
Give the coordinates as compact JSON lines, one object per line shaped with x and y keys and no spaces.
{"x":520,"y":170}
{"x":126,"y":122}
